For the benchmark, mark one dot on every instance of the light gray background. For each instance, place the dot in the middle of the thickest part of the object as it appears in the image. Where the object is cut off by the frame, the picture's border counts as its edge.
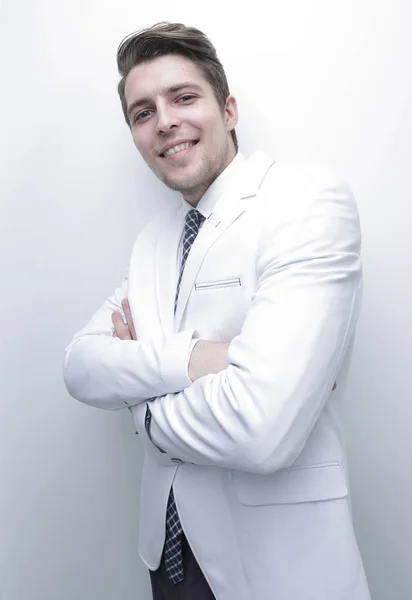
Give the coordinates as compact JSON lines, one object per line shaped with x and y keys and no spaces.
{"x":328,"y":81}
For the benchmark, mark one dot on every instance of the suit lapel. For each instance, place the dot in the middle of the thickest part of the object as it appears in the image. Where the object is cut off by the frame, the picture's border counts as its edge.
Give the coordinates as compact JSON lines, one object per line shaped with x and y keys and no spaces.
{"x":166,"y":260}
{"x":211,"y":230}
{"x":228,"y":208}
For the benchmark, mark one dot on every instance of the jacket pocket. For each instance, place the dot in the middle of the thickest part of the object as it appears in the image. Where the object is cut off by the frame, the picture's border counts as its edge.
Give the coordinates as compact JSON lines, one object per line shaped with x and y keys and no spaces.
{"x":221,"y":283}
{"x":293,"y":485}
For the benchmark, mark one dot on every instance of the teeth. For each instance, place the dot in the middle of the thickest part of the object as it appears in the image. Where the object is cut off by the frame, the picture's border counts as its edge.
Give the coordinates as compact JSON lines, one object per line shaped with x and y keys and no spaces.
{"x":178,"y":148}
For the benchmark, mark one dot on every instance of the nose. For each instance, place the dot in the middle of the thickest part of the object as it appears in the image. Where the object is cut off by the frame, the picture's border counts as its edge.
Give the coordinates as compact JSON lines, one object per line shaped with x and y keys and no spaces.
{"x":167,"y":119}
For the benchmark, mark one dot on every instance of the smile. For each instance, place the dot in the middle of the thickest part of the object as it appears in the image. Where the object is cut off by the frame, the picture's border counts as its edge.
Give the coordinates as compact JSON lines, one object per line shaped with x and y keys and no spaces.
{"x":178,"y":148}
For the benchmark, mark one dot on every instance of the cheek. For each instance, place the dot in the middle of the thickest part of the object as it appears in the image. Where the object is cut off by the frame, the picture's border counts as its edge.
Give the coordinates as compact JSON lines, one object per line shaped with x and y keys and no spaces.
{"x":203,"y":120}
{"x":140,"y":144}
{"x":217,"y":133}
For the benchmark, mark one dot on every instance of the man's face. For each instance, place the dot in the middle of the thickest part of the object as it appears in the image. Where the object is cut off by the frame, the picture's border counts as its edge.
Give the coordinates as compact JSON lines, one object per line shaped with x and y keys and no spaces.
{"x":177,"y":125}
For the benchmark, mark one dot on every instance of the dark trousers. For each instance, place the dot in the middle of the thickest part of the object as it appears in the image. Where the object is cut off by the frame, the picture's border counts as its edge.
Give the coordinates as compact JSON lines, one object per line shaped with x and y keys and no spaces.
{"x":193,"y":587}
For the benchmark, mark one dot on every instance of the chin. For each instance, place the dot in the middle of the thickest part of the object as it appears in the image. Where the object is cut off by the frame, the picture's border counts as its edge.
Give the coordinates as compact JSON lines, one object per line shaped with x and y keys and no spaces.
{"x":182,"y":184}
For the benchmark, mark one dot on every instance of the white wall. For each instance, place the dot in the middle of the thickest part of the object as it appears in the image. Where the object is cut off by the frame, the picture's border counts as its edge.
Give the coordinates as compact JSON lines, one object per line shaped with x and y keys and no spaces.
{"x":328,"y":81}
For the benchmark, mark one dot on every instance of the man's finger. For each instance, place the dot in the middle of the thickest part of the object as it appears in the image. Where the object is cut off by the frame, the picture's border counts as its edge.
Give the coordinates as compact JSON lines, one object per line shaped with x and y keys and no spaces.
{"x":129,"y":318}
{"x":120,"y":329}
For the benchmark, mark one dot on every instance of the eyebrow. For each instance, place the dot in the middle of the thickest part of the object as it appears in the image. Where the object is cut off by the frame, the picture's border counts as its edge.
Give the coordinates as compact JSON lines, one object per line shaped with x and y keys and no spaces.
{"x":170,"y":90}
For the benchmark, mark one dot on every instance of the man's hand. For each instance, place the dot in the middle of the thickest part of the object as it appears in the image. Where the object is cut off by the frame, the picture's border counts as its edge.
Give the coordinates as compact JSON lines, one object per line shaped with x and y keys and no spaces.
{"x":122,"y":330}
{"x":207,"y":357}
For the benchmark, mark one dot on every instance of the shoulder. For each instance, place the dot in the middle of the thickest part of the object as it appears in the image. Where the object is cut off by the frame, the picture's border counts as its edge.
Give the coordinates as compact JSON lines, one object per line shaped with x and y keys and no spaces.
{"x":292,"y":187}
{"x":302,"y":176}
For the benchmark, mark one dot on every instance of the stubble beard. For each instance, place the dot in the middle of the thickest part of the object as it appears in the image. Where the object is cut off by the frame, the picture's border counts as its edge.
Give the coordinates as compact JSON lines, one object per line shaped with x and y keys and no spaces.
{"x":200,"y":180}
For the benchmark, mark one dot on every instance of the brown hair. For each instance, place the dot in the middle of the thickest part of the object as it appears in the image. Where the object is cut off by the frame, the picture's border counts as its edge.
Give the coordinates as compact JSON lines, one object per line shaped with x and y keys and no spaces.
{"x":172,"y":38}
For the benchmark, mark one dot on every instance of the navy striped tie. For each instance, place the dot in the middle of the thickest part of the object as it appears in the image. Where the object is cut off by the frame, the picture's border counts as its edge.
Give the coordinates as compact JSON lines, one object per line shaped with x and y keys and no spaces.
{"x":173,"y":544}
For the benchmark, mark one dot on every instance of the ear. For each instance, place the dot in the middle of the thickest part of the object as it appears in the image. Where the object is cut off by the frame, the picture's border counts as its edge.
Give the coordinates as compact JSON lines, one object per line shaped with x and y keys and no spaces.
{"x":231,"y":113}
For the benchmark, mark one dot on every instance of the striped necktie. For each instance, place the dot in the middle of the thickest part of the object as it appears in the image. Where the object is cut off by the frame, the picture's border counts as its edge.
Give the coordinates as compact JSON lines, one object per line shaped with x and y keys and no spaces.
{"x":173,"y":544}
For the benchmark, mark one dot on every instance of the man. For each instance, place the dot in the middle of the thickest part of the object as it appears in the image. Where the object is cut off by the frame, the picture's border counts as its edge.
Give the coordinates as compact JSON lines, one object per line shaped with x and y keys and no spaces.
{"x":229,"y":342}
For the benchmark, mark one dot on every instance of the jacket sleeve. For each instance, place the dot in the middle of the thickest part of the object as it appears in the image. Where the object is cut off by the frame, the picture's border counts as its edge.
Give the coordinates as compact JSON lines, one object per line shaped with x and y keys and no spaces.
{"x":110,"y":373}
{"x":258,"y":413}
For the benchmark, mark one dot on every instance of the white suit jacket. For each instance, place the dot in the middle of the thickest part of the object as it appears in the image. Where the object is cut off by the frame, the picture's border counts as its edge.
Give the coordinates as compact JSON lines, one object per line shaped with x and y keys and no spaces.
{"x":256,"y":452}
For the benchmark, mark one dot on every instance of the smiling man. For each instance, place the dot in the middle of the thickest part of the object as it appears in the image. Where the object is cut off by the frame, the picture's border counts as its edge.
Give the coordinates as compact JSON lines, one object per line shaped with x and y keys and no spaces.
{"x":229,"y":342}
{"x":177,"y":124}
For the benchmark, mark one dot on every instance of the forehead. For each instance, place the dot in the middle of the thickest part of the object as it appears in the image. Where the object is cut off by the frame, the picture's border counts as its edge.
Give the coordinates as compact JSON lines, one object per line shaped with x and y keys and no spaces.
{"x":155,"y":76}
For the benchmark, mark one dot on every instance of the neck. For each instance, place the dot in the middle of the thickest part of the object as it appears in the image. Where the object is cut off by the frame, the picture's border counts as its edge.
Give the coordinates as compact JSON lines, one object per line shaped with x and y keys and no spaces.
{"x":194,"y":195}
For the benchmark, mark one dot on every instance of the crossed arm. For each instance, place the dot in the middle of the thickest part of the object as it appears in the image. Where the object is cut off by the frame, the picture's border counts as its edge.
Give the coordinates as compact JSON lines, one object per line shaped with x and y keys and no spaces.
{"x":207,"y":357}
{"x":250,"y":405}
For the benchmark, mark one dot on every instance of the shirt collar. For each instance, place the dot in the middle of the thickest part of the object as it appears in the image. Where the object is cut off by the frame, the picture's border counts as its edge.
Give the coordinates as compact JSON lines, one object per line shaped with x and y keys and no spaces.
{"x":215,"y":190}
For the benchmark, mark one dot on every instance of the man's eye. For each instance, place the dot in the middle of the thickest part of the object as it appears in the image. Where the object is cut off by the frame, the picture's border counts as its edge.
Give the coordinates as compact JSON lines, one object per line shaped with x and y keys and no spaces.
{"x":186,"y":98}
{"x":142,"y":115}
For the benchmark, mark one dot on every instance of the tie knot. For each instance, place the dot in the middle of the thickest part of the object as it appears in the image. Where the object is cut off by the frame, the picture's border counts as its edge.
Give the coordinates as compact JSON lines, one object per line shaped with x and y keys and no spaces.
{"x":194,"y":219}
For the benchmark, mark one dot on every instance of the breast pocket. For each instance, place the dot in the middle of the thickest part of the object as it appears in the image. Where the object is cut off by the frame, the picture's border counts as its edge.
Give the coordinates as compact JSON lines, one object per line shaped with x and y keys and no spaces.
{"x":202,"y":286}
{"x":218,"y":307}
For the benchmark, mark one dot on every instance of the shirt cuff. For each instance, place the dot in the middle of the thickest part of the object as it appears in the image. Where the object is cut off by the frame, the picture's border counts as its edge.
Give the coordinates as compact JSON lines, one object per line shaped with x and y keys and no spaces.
{"x":175,"y":364}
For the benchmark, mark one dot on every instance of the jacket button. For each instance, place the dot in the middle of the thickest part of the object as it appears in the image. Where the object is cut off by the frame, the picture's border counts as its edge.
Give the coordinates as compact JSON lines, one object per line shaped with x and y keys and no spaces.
{"x":176,"y":460}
